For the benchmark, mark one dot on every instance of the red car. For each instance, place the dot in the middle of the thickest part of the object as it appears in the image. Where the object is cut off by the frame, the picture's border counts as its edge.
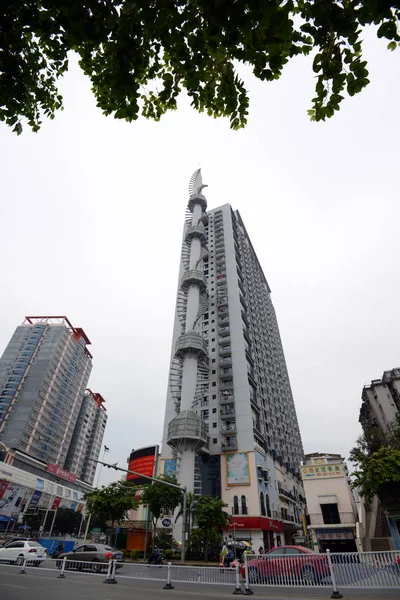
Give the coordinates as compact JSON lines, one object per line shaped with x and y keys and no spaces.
{"x":288,"y":563}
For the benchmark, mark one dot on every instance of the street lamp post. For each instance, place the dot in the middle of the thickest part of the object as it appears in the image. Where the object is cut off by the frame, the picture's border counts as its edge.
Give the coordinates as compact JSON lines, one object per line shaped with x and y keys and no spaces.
{"x":174,"y":485}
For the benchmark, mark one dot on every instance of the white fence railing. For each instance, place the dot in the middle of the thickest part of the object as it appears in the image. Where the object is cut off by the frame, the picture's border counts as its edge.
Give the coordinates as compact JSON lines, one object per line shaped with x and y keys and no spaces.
{"x":337,"y":570}
{"x":374,"y":570}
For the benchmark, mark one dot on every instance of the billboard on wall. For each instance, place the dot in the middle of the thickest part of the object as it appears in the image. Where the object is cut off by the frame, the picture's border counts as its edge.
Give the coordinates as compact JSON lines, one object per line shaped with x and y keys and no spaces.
{"x":13,"y":500}
{"x":323,"y":471}
{"x":142,"y":461}
{"x":237,"y":469}
{"x":170,"y":466}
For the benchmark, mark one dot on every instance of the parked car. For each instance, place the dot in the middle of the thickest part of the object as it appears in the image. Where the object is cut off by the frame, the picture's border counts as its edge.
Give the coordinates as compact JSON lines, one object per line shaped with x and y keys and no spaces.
{"x":288,"y":562}
{"x":91,"y":554}
{"x":15,"y":552}
{"x":14,"y":539}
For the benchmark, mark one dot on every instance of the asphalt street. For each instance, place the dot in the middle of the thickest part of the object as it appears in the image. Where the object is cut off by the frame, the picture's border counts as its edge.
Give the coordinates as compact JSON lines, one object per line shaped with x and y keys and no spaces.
{"x":44,"y":585}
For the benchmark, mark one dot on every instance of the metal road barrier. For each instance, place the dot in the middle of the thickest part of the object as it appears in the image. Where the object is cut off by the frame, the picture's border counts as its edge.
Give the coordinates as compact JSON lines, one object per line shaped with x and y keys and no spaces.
{"x":336,"y":570}
{"x":373,"y":570}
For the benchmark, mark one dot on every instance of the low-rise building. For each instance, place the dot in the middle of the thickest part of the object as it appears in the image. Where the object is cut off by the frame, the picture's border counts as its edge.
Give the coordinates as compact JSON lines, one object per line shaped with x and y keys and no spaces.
{"x":332,"y":512}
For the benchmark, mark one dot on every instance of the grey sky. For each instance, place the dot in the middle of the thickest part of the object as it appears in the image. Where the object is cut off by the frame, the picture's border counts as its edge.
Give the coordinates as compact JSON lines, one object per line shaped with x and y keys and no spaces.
{"x":92,"y":212}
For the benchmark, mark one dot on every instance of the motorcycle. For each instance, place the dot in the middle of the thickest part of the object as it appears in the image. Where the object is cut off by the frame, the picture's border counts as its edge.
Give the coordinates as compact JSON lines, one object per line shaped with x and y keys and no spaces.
{"x":156,"y":559}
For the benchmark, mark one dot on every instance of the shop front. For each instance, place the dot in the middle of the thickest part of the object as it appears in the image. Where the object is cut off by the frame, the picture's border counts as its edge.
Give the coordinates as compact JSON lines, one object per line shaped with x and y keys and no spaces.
{"x":336,"y":540}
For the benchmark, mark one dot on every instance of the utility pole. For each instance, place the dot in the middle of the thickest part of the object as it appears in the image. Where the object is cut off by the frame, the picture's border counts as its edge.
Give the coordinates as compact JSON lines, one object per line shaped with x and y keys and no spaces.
{"x":174,"y":485}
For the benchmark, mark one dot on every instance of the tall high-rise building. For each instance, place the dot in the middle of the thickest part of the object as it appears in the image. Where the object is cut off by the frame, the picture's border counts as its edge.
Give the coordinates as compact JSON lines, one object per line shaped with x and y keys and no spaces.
{"x":230,"y":426}
{"x":87,"y":437}
{"x":44,"y":372}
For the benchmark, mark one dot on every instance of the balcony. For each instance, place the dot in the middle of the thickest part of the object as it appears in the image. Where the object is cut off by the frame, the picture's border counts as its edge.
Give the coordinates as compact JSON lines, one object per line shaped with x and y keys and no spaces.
{"x":227,"y":413}
{"x":226,"y":385}
{"x":223,"y":308}
{"x":285,"y":493}
{"x":223,"y":320}
{"x":193,"y":277}
{"x":340,"y":518}
{"x":229,"y":430}
{"x":225,"y":350}
{"x":226,"y":398}
{"x":196,"y":231}
{"x":190,"y":342}
{"x":223,"y":341}
{"x":224,"y":330}
{"x":225,"y":361}
{"x":229,"y":445}
{"x":225,"y":373}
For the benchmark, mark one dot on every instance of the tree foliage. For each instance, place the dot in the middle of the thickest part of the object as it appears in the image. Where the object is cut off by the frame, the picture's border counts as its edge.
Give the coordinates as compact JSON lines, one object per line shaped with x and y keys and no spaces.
{"x":190,"y":511}
{"x":377,"y":457}
{"x":210,"y":518}
{"x":113,"y":500}
{"x":140,"y":55}
{"x":161,"y":498}
{"x":377,"y":471}
{"x":67,"y":520}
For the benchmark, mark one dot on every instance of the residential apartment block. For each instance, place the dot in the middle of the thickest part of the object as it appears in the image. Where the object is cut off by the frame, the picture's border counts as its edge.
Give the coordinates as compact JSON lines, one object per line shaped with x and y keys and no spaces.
{"x":231,"y":428}
{"x":48,"y":426}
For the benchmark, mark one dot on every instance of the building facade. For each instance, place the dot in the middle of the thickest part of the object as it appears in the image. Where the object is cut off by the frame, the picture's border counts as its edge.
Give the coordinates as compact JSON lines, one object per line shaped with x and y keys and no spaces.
{"x":230,"y":426}
{"x":49,"y":427}
{"x":87,"y":438}
{"x":381,"y":402}
{"x":380,"y":410}
{"x":331,"y":505}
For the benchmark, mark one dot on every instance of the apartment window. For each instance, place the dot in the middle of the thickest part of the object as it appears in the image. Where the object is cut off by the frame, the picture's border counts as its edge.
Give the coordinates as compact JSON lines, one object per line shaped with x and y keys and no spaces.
{"x":262,"y":505}
{"x":215,"y":440}
{"x":214,"y":411}
{"x":236,"y":505}
{"x":244,"y":505}
{"x":330,"y":513}
{"x":205,"y":414}
{"x":214,"y":426}
{"x":214,"y":384}
{"x":214,"y":397}
{"x":213,"y":372}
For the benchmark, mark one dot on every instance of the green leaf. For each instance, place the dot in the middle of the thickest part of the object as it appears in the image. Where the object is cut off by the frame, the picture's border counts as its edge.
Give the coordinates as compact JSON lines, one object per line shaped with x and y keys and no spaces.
{"x":392,"y":46}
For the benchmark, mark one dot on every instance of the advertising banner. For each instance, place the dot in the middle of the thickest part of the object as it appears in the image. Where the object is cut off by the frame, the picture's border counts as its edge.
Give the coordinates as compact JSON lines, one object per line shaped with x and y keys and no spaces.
{"x":44,"y":500}
{"x":3,"y":487}
{"x":60,"y":472}
{"x":40,"y":484}
{"x":56,"y":503}
{"x":170,"y":466}
{"x":13,"y":500}
{"x":142,"y":461}
{"x":237,"y":467}
{"x":323,"y":471}
{"x":34,"y":501}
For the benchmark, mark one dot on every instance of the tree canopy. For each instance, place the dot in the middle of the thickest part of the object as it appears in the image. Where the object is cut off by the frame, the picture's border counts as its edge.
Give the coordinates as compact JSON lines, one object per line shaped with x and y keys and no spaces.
{"x":161,"y":498}
{"x":377,"y":458}
{"x":113,"y":500}
{"x":140,"y":55}
{"x":210,"y":518}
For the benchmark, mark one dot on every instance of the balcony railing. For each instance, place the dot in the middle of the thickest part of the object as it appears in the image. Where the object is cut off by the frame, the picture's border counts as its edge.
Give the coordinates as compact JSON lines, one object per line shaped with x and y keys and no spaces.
{"x":227,"y":446}
{"x":227,"y":385}
{"x":333,"y":519}
{"x":226,"y":398}
{"x":227,"y":413}
{"x":224,"y":373}
{"x":224,"y":340}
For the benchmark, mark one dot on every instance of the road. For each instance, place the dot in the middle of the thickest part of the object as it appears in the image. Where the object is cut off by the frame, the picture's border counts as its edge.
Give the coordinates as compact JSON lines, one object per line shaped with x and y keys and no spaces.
{"x":44,"y":585}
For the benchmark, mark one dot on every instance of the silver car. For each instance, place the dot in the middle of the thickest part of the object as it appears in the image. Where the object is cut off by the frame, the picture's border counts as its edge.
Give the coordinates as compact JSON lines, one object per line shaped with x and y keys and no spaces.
{"x":91,"y":554}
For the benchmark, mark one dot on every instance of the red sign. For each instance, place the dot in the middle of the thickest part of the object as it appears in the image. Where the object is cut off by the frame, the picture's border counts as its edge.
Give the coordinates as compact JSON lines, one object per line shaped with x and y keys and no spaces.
{"x":142,"y":461}
{"x":263,"y":523}
{"x":56,"y":470}
{"x":56,"y":503}
{"x":3,"y":487}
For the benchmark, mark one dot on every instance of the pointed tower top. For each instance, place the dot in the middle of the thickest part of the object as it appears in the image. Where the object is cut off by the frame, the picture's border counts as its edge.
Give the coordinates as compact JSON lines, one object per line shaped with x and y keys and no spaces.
{"x":196,"y":183}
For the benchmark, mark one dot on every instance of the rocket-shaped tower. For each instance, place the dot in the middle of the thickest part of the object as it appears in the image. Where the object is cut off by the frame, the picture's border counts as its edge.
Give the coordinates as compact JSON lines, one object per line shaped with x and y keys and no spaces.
{"x":187,"y":433}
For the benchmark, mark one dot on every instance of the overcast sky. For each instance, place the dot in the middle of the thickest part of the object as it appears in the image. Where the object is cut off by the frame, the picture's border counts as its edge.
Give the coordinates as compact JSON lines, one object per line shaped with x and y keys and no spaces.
{"x":92,"y":212}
